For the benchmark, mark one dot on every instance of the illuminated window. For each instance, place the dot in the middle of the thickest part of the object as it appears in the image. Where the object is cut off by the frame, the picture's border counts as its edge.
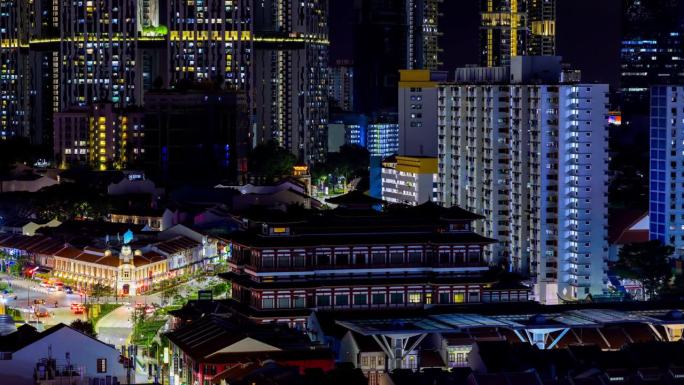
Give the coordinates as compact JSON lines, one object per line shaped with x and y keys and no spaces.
{"x":102,"y":365}
{"x":459,"y":297}
{"x":414,"y":298}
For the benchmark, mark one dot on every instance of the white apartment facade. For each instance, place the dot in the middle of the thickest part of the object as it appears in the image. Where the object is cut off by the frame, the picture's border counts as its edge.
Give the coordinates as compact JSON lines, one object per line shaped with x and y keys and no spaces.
{"x":532,"y":158}
{"x":408,"y":180}
{"x":418,"y":111}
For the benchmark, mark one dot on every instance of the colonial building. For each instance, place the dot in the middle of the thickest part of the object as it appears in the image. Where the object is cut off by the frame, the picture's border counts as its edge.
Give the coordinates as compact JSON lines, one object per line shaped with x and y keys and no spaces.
{"x":284,"y":266}
{"x":128,"y":266}
{"x":129,"y":272}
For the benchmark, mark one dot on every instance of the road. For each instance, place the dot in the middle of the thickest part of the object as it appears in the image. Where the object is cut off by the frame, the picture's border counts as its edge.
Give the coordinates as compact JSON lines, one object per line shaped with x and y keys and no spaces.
{"x":115,"y":327}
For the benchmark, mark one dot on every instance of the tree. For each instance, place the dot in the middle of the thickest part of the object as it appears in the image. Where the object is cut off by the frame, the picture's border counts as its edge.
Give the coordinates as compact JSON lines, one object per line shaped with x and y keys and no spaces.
{"x":675,"y":291}
{"x":85,"y":327}
{"x":99,"y":290}
{"x":350,"y":162}
{"x":648,"y":263}
{"x":271,"y":161}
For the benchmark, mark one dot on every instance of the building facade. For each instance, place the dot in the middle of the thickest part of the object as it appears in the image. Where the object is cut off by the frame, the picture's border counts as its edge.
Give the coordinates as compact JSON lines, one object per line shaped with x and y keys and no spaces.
{"x":532,"y":159}
{"x":390,"y":36}
{"x":648,"y":59}
{"x":341,"y":85}
{"x":99,"y":135}
{"x":667,"y":184}
{"x":383,"y":139}
{"x":407,"y":259}
{"x":514,"y":28}
{"x":651,"y":51}
{"x":408,"y":180}
{"x":174,"y":147}
{"x":99,"y":54}
{"x":422,"y":43}
{"x":418,"y":111}
{"x":14,"y":70}
{"x":61,"y":56}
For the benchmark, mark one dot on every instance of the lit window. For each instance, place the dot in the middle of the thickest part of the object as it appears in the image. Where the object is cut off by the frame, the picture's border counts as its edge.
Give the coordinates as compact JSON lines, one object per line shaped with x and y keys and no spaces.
{"x":414,"y":298}
{"x":102,"y":365}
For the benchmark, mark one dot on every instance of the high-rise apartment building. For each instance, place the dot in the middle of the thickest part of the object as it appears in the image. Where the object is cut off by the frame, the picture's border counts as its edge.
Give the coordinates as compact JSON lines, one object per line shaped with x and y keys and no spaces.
{"x":275,"y":50}
{"x":391,"y":35}
{"x":515,"y":28}
{"x":176,"y":150}
{"x":422,"y":18}
{"x":341,"y":85}
{"x":72,"y":54}
{"x":530,"y":155}
{"x":99,"y":135}
{"x":644,"y":61}
{"x":290,"y":65}
{"x":99,"y":53}
{"x":209,"y":41}
{"x":651,"y":51}
{"x":383,"y":139}
{"x":418,"y":111}
{"x":541,"y":20}
{"x":667,"y":158}
{"x":14,"y":69}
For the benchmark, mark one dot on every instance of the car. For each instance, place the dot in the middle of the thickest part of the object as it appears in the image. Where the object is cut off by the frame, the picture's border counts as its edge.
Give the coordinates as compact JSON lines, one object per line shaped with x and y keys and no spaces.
{"x":51,"y":289}
{"x":39,"y":301}
{"x":77,"y":308}
{"x":45,"y":284}
{"x":41,"y":311}
{"x":68,"y":290}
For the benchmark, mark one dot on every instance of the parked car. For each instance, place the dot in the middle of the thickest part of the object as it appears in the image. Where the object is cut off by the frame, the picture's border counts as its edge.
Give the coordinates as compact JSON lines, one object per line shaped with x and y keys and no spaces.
{"x":41,"y":311}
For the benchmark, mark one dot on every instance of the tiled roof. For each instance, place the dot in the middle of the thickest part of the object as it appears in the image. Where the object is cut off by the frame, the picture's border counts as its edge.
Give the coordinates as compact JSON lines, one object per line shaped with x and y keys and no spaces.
{"x":176,"y":244}
{"x":203,"y":337}
{"x":32,"y":244}
{"x":620,"y":221}
{"x":68,"y":252}
{"x":147,"y":258}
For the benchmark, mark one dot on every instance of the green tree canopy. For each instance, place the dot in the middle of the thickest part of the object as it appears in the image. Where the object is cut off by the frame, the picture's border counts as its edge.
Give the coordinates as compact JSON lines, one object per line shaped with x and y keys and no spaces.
{"x":270,"y":161}
{"x":648,"y":263}
{"x":84,"y":327}
{"x":350,"y":162}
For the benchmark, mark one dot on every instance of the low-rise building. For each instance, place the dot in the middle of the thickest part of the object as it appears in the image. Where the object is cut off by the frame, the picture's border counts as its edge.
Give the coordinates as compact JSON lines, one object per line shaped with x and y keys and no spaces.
{"x":25,"y":226}
{"x":90,"y":360}
{"x":151,"y":219}
{"x":205,"y":350}
{"x":126,"y":265}
{"x":408,"y":179}
{"x":129,"y":272}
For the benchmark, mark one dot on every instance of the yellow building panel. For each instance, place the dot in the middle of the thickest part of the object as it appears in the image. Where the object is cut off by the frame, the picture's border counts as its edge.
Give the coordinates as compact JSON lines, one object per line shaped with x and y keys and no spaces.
{"x":415,"y":78}
{"x":416,"y":165}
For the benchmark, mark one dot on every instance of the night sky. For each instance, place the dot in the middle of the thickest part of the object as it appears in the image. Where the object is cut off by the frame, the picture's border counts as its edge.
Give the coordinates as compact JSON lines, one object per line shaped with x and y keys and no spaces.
{"x":588,"y":35}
